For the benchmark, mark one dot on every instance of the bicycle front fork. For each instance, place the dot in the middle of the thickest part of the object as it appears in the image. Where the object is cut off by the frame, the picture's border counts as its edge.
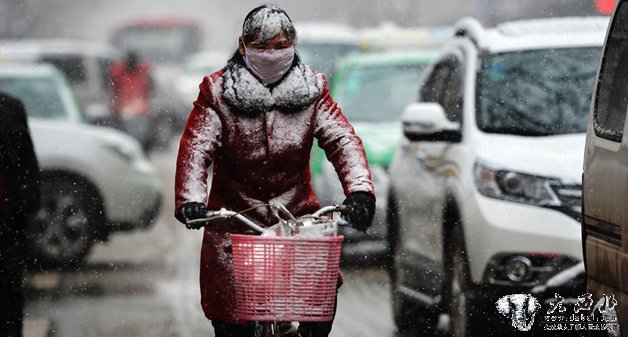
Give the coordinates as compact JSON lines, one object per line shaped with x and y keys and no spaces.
{"x":275,"y":329}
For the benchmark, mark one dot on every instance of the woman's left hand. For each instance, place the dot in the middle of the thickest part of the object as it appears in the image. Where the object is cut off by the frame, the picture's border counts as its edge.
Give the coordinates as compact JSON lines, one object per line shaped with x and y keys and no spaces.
{"x":360,"y":210}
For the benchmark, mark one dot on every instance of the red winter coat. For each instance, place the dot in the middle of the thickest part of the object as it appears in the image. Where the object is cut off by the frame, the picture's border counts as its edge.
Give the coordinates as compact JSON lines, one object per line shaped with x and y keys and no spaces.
{"x":259,"y":141}
{"x":130,"y":90}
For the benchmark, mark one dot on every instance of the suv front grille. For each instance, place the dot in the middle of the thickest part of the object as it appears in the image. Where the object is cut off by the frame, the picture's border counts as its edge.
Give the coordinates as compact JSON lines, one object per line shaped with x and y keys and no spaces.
{"x":570,"y":198}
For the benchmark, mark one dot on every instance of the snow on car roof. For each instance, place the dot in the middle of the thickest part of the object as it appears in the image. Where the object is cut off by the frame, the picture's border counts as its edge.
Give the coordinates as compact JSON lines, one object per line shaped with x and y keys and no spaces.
{"x":389,"y":35}
{"x":32,"y":48}
{"x":326,"y":32}
{"x":545,"y":33}
{"x":27,"y":69}
{"x":541,"y":26}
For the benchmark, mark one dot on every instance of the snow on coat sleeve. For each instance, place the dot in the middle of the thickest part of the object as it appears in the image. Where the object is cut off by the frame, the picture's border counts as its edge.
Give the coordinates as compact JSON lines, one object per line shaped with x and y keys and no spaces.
{"x":199,"y":143}
{"x":342,"y":146}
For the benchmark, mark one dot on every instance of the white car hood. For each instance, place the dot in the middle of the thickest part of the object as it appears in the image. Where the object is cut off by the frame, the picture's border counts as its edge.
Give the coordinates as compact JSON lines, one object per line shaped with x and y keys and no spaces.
{"x":74,"y":132}
{"x":79,"y":146}
{"x":552,"y":156}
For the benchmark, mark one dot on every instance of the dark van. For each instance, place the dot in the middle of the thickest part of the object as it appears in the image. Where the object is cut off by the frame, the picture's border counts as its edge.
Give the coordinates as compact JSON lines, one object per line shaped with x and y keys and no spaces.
{"x":605,"y":178}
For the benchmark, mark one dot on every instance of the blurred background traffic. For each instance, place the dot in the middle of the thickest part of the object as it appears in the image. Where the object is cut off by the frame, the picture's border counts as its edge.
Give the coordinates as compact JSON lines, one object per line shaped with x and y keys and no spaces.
{"x":90,"y":276}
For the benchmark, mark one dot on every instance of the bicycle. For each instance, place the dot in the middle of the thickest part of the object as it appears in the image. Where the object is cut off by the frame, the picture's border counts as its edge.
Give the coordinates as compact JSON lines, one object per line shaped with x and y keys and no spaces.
{"x":288,"y":273}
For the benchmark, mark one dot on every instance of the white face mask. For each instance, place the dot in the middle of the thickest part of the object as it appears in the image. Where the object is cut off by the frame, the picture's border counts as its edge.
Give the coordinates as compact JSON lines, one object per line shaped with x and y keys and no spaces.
{"x":269,"y":65}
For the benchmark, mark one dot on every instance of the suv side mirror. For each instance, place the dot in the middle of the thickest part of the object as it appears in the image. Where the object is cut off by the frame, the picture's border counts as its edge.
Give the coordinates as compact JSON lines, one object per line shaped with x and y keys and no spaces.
{"x":427,"y":122}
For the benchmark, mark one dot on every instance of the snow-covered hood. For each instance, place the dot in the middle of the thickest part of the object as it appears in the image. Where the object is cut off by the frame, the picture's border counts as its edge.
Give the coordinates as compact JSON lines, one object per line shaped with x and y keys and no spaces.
{"x":553,"y":156}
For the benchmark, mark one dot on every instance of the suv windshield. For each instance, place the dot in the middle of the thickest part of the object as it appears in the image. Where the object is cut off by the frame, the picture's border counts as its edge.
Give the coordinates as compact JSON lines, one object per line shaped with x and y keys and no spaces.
{"x":537,"y":93}
{"x":40,"y":95}
{"x":375,"y":94}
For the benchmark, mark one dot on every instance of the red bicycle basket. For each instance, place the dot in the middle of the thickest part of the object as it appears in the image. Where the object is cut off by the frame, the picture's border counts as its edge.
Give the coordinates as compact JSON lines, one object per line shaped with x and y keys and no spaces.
{"x":286,"y":278}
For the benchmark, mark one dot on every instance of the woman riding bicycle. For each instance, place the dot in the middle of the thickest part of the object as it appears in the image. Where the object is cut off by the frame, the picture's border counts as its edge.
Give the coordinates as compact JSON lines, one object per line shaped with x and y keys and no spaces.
{"x":255,"y":121}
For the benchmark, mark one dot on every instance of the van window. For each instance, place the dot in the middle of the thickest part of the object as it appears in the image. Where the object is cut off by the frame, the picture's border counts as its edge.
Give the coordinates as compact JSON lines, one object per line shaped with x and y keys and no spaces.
{"x":72,"y":67}
{"x":612,"y":96}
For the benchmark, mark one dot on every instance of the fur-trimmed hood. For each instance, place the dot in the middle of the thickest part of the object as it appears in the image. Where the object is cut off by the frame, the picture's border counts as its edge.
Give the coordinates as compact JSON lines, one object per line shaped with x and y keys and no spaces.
{"x":296,"y":90}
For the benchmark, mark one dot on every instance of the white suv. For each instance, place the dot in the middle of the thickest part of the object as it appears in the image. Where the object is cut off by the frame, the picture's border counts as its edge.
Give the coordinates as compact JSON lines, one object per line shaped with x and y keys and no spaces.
{"x":95,"y":180}
{"x":485,"y":188}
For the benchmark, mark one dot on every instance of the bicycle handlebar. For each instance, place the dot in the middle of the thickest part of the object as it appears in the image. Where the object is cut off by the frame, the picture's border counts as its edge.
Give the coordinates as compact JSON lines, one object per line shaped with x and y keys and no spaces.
{"x":226,"y":214}
{"x":329,"y":209}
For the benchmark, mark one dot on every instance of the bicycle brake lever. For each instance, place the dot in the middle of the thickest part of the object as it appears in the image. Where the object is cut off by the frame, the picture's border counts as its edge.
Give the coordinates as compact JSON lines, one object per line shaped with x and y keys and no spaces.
{"x":195,"y":224}
{"x":200,"y":223}
{"x":344,"y":223}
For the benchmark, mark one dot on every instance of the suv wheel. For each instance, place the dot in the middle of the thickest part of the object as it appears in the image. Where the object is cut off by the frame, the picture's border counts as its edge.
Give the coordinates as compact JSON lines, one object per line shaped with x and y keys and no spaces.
{"x":407,"y":314}
{"x":64,"y":228}
{"x":461,"y":309}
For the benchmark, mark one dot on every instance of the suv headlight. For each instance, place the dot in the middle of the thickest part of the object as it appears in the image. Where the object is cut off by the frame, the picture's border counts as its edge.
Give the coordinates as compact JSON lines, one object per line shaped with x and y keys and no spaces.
{"x":129,"y":152}
{"x":515,"y":186}
{"x":125,"y":148}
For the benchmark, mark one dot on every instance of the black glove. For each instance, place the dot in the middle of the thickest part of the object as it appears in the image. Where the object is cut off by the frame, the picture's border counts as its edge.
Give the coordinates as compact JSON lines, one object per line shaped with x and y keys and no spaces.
{"x":191,"y":211}
{"x":359,"y":210}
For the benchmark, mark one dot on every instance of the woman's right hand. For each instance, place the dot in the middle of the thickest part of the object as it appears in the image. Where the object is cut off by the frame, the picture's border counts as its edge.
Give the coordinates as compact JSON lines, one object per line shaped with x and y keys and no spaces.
{"x":191,"y":211}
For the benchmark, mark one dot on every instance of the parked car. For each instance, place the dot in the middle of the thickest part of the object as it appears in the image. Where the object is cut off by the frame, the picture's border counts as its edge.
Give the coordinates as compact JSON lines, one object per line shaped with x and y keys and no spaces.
{"x":95,"y":180}
{"x":372,"y":89}
{"x":605,"y":178}
{"x":484,"y":196}
{"x":84,"y":63}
